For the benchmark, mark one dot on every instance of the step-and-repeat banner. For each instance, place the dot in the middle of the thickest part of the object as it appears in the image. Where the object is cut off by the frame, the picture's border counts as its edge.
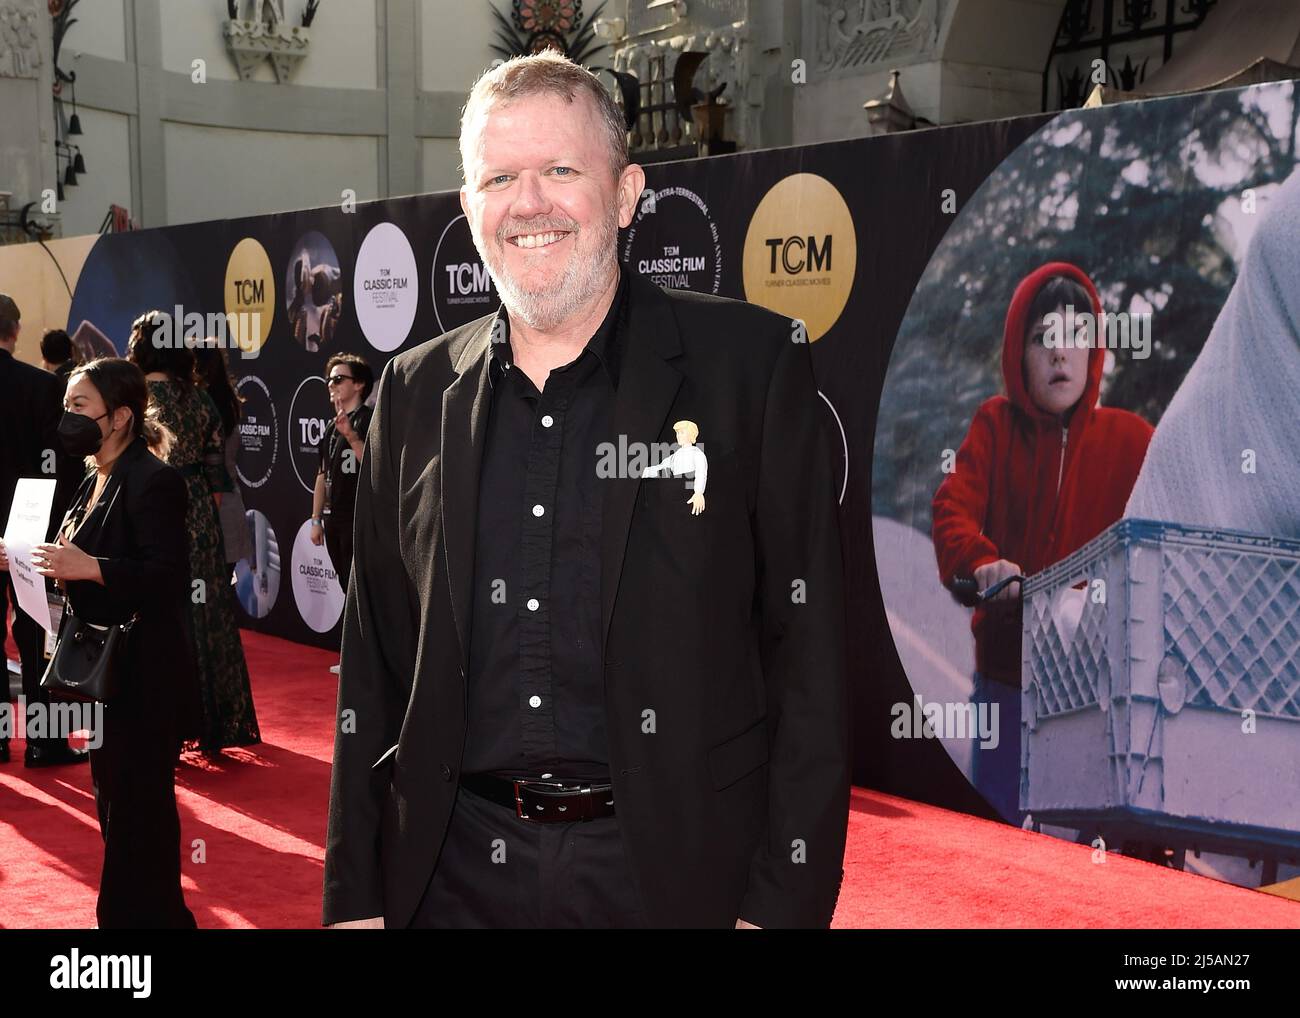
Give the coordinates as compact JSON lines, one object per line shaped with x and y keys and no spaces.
{"x":1141,"y":689}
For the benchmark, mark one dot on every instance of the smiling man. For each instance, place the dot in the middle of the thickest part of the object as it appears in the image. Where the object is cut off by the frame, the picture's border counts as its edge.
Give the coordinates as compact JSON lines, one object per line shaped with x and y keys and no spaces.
{"x":569,"y":699}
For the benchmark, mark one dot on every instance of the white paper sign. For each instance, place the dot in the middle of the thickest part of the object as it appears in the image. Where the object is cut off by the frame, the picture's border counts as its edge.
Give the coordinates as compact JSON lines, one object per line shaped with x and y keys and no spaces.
{"x":28,"y":520}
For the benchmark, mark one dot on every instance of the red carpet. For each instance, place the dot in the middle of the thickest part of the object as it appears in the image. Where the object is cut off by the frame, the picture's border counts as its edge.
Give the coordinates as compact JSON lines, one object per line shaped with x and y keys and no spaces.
{"x":260,"y":815}
{"x":912,"y":865}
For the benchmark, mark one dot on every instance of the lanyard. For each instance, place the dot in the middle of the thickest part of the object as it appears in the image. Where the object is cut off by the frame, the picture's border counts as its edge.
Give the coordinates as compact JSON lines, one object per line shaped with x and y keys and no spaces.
{"x":330,"y":451}
{"x":335,"y":437}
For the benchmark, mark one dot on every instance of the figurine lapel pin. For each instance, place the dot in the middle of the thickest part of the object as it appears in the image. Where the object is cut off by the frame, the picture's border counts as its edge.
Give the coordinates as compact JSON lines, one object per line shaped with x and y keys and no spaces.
{"x":688,"y":458}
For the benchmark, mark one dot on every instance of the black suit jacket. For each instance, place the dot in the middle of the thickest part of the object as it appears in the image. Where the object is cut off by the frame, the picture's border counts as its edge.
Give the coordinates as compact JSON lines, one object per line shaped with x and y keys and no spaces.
{"x":31,"y":403}
{"x":137,"y":531}
{"x":728,"y":626}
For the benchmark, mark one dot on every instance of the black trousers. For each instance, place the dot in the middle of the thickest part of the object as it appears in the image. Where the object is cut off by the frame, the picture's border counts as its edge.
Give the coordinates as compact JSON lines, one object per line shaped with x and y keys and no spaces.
{"x":30,"y":638}
{"x":496,"y":870}
{"x":134,"y":772}
{"x":338,"y":542}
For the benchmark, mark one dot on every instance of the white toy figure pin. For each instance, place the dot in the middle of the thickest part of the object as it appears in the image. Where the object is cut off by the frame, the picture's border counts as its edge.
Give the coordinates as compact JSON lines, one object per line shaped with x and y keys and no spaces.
{"x":687,"y":459}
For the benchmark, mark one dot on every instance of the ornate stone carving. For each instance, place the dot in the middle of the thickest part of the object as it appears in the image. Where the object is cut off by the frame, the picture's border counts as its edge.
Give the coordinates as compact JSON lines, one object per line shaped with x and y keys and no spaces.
{"x":20,"y":52}
{"x":264,"y":34}
{"x":646,"y":16}
{"x":860,"y":33}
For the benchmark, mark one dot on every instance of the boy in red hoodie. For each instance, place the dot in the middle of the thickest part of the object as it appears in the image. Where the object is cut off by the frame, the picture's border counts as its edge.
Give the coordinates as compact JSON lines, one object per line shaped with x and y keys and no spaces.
{"x":1041,"y":472}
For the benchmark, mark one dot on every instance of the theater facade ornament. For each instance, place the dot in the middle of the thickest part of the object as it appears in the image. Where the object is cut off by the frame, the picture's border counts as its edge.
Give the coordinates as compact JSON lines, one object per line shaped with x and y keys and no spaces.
{"x":849,"y":34}
{"x":258,"y":31}
{"x":20,"y":53}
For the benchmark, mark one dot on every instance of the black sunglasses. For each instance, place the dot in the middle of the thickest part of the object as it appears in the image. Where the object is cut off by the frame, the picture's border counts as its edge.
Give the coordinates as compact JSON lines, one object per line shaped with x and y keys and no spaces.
{"x":339,"y":379}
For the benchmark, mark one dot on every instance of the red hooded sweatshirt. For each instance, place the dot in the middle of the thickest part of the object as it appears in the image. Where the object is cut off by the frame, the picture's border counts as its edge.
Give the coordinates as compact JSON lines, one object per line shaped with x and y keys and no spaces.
{"x":1028,"y":488}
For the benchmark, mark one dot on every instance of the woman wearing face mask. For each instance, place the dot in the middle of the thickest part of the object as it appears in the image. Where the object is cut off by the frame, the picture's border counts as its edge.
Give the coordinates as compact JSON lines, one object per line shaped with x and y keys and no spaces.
{"x":121,"y":551}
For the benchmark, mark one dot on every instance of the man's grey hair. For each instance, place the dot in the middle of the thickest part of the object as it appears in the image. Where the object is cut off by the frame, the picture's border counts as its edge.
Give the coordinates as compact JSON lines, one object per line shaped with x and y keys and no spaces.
{"x":544,"y":73}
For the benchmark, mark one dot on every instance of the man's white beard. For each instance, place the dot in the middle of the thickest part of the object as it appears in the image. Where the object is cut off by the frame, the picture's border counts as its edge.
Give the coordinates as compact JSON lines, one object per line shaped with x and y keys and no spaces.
{"x":586,"y":275}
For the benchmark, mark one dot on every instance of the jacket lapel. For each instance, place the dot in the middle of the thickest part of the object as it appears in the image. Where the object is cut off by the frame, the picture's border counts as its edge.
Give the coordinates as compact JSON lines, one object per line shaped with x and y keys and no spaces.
{"x":107,"y":498}
{"x":647,"y":386}
{"x":465,"y":405}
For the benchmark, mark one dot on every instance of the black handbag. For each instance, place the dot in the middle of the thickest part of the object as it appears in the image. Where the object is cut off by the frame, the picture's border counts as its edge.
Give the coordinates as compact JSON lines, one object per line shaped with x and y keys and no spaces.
{"x":87,"y":661}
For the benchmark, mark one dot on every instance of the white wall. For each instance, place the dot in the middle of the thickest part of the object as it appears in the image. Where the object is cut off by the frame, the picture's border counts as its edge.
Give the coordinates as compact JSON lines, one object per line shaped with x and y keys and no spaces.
{"x":454,"y":40}
{"x":106,"y":146}
{"x":217,"y":173}
{"x":100,"y":30}
{"x":440,"y":162}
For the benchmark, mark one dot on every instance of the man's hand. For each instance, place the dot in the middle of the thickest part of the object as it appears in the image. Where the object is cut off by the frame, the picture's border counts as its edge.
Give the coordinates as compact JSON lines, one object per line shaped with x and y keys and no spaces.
{"x":377,"y":923}
{"x":742,"y":925}
{"x":317,"y":534}
{"x":992,"y":572}
{"x":344,"y":426}
{"x":4,"y":558}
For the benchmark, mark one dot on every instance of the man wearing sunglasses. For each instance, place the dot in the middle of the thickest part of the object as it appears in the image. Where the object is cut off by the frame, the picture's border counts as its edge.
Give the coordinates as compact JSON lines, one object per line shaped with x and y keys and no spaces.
{"x":350,"y":380}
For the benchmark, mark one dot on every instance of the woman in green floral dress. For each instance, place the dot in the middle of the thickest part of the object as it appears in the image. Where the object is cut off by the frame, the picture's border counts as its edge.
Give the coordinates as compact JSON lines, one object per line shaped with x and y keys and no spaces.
{"x":189,"y":413}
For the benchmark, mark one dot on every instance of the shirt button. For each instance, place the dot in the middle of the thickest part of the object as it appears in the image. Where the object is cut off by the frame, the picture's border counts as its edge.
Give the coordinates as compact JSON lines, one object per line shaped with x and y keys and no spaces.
{"x":547,"y":420}
{"x":534,"y":701}
{"x":533,"y":604}
{"x":538,"y":510}
{"x":446,"y":773}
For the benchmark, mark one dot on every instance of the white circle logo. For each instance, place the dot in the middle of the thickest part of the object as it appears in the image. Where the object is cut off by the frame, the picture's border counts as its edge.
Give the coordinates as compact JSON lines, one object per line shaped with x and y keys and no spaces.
{"x":385,"y":288}
{"x":316,"y":588}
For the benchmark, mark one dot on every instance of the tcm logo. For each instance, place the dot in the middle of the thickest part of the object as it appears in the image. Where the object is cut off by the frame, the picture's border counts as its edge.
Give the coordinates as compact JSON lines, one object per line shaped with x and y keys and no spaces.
{"x":249,"y":295}
{"x":313,"y":430}
{"x":467,"y":278}
{"x":799,"y":254}
{"x":249,"y":291}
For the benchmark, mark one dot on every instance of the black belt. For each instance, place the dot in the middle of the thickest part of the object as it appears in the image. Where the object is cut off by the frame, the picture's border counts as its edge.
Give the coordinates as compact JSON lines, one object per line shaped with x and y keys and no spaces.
{"x":544,"y":802}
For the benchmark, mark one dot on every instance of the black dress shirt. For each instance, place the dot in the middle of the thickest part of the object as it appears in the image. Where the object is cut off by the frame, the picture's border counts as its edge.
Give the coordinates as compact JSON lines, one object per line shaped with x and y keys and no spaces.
{"x":536,"y":677}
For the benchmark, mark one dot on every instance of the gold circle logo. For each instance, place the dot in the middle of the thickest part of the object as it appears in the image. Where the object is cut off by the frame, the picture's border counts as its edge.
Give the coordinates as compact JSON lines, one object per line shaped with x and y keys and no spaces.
{"x":250,"y":296}
{"x":801,"y":252}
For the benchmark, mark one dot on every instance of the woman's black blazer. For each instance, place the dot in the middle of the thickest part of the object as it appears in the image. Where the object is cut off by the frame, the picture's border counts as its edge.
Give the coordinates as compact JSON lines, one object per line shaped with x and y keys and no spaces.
{"x":137,"y":531}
